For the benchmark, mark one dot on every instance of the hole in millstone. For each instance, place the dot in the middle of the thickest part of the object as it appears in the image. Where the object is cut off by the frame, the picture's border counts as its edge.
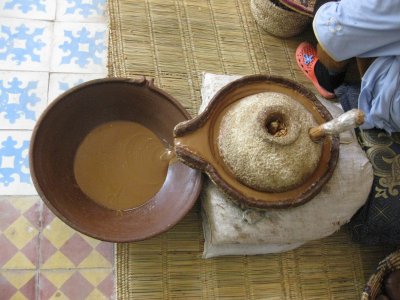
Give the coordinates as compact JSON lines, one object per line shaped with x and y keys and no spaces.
{"x":276,"y":124}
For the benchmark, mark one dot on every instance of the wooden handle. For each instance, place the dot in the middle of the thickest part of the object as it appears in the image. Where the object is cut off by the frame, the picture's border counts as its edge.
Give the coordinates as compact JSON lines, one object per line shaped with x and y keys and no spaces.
{"x":349,"y":120}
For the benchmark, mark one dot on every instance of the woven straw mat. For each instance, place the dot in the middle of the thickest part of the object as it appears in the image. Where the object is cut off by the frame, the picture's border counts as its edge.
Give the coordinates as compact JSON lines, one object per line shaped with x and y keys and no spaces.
{"x":173,"y":42}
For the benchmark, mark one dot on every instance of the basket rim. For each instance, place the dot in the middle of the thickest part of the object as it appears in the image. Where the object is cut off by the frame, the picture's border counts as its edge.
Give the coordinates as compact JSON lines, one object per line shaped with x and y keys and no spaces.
{"x":389,"y":264}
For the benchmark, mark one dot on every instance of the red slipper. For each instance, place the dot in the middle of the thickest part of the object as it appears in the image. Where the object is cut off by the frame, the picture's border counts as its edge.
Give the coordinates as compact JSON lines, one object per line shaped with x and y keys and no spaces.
{"x":306,"y":57}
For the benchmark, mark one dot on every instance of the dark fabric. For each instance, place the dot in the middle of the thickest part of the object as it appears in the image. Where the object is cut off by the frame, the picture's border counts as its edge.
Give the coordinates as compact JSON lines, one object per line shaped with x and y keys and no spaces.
{"x":319,"y":3}
{"x":348,"y":95}
{"x":378,"y":221}
{"x":327,"y":80}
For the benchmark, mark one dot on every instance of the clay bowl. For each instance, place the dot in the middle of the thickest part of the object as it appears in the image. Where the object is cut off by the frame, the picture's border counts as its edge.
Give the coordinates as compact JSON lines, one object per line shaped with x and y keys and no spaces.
{"x":64,"y":125}
{"x":196,"y":143}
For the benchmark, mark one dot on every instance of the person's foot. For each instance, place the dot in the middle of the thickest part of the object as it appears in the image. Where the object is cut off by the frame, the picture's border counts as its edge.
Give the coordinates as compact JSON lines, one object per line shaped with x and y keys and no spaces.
{"x":306,"y":57}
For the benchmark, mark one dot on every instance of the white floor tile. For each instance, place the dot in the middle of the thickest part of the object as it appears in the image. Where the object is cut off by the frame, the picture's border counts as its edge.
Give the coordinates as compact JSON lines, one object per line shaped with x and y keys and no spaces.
{"x":79,"y":48}
{"x":28,"y":9}
{"x":23,"y":97}
{"x":61,"y":82}
{"x":14,"y":163}
{"x":81,"y":10}
{"x":25,"y":44}
{"x":32,"y":45}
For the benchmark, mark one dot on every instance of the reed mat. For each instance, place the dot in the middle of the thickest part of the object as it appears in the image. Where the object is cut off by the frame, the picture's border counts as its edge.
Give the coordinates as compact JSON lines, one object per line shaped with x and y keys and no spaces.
{"x":173,"y":42}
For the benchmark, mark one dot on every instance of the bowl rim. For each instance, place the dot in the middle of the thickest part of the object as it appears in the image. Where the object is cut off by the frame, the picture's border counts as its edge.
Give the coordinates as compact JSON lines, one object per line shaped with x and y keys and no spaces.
{"x":141,"y":82}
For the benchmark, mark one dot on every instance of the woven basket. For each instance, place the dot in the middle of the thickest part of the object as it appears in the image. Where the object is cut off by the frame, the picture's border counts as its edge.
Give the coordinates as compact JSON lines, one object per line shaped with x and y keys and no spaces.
{"x":305,"y":7}
{"x":278,"y":21}
{"x":374,"y":284}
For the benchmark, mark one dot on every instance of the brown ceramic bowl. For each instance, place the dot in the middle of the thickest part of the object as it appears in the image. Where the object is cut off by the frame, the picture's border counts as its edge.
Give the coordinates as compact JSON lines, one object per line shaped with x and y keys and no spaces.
{"x":63,"y":126}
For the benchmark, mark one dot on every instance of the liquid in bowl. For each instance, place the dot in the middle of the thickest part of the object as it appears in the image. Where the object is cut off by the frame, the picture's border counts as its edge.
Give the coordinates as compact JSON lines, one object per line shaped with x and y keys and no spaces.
{"x":121,"y":165}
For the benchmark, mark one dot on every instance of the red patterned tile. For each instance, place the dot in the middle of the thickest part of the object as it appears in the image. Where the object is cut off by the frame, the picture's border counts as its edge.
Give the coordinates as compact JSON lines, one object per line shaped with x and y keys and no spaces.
{"x":76,"y":249}
{"x":8,"y":250}
{"x":29,"y":289}
{"x":33,"y":215}
{"x":77,"y":287}
{"x":107,"y":286}
{"x":31,"y":250}
{"x":107,"y":250}
{"x":8,"y":214}
{"x":46,"y":249}
{"x":16,"y":283}
{"x":47,"y":216}
{"x":7,"y":290}
{"x":47,"y":289}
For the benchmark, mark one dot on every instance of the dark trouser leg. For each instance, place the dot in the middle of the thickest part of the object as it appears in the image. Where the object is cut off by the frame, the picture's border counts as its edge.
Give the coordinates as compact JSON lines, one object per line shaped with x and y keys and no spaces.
{"x":330,"y":73}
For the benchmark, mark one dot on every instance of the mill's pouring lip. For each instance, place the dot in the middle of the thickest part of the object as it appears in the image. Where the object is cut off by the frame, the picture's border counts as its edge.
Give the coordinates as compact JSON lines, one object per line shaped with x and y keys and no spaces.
{"x":206,"y":157}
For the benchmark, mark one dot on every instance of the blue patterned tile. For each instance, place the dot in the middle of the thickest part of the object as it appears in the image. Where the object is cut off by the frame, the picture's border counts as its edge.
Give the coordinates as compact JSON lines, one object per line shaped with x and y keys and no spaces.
{"x":14,"y":163}
{"x":25,"y":44}
{"x":79,"y":48}
{"x":23,"y":97}
{"x":61,"y":82}
{"x":81,"y":10}
{"x":28,"y":9}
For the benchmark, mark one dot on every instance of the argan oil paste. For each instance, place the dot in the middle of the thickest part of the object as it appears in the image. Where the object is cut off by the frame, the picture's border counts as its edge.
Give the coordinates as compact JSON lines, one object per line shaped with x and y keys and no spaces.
{"x":121,"y":165}
{"x":264,"y":140}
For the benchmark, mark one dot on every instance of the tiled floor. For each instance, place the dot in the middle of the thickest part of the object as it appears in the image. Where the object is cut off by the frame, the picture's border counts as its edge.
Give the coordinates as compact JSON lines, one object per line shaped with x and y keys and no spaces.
{"x":46,"y":47}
